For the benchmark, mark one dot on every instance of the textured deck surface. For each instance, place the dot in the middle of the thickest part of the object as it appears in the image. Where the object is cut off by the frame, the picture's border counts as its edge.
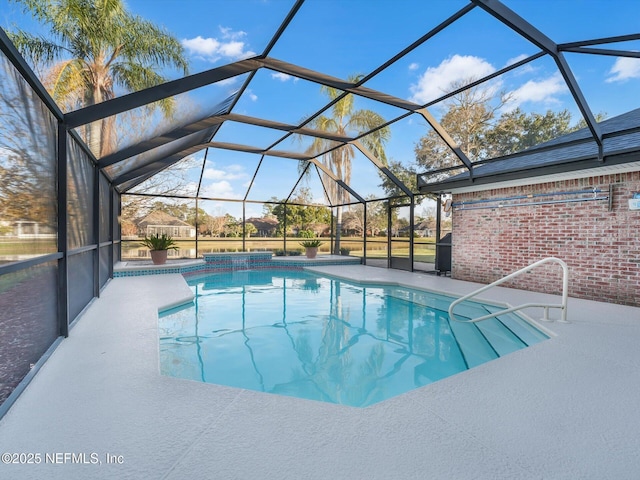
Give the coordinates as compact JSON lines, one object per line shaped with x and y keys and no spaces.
{"x":564,"y":408}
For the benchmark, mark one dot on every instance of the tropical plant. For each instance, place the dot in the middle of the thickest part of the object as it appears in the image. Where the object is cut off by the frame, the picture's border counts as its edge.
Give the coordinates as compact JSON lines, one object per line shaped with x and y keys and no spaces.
{"x":159,"y":242}
{"x":346,"y":121}
{"x":94,"y":47}
{"x":315,"y":243}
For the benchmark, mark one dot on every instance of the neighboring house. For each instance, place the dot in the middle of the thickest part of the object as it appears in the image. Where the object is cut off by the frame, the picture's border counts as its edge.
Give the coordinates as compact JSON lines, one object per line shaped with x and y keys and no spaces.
{"x":265,"y":226}
{"x":321,"y":229}
{"x":426,"y":228}
{"x":158,"y":223}
{"x":31,"y":229}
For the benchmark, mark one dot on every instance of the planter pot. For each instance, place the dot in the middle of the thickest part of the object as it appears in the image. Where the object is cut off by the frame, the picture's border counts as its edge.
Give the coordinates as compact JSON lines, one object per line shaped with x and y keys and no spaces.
{"x":312,"y":252}
{"x":159,"y":257}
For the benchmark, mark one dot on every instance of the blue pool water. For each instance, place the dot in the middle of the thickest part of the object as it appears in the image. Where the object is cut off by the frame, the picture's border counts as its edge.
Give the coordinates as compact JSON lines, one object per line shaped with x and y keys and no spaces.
{"x":299,"y":334}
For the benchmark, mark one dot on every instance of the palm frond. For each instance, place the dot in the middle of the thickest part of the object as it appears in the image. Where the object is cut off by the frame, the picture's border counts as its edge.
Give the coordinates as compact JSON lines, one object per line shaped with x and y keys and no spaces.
{"x":66,"y":82}
{"x":135,"y":77}
{"x":148,"y":44}
{"x":40,"y":9}
{"x":366,"y":120}
{"x":36,"y":49}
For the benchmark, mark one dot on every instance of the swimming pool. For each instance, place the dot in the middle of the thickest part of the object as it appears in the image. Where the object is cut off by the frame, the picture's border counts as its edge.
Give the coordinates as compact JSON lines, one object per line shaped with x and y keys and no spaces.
{"x":300,"y":334}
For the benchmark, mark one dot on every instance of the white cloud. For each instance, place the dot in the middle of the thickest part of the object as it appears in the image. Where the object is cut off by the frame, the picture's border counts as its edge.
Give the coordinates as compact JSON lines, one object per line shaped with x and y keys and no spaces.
{"x":221,"y":189}
{"x":624,"y":69}
{"x":523,"y":69}
{"x":545,"y":91}
{"x":239,"y":169}
{"x":414,"y":66}
{"x":517,"y":59}
{"x":229,"y":48}
{"x":283,"y":77}
{"x":232,"y":49}
{"x":437,"y":80}
{"x":228,"y":82}
{"x":213,"y":174}
{"x":232,"y":172}
{"x":227,"y":32}
{"x":201,"y":46}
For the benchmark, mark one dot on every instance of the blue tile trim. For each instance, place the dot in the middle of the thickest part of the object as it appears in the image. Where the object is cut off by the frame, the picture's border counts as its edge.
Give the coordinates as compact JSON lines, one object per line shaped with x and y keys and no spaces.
{"x":222,"y":262}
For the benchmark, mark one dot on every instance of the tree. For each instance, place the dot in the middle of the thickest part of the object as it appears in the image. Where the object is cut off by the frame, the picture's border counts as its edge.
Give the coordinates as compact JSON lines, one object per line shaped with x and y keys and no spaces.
{"x":250,"y":229}
{"x":405,"y":174}
{"x":232,"y":226}
{"x":516,"y":131}
{"x":192,"y":213}
{"x":27,"y":153}
{"x":472,"y":121}
{"x":376,"y":217}
{"x":468,"y":117}
{"x":216,"y":225}
{"x":299,"y":216}
{"x":94,"y":47}
{"x":346,"y":120}
{"x":267,"y":208}
{"x":353,"y":219}
{"x":177,"y":210}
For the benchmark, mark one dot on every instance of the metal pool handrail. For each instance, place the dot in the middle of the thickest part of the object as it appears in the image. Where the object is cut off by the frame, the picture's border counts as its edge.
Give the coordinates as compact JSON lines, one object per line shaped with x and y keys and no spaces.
{"x":546,"y":306}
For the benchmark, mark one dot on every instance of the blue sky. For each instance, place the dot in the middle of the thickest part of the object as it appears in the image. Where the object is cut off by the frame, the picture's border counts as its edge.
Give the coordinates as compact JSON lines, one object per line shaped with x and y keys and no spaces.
{"x":346,"y":37}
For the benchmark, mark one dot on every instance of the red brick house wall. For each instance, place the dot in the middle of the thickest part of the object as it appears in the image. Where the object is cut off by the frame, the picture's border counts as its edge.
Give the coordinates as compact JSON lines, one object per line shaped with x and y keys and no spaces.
{"x":601,"y":246}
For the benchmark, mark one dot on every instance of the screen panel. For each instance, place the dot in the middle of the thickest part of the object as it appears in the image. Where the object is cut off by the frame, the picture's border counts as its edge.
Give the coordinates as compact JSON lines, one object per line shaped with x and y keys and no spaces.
{"x":28,"y":323}
{"x":28,"y":145}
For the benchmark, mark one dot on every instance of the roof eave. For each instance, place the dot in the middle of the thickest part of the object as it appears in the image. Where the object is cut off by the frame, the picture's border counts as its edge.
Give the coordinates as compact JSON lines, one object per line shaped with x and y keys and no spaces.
{"x":495,"y":179}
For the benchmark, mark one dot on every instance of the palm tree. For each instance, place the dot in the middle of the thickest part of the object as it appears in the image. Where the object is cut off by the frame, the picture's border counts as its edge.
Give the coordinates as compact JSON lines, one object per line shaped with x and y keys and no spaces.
{"x":345,"y":120}
{"x":94,"y":47}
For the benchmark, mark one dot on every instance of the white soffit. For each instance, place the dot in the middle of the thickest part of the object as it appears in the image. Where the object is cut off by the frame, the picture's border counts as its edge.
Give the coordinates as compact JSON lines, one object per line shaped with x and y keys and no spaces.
{"x":590,"y":172}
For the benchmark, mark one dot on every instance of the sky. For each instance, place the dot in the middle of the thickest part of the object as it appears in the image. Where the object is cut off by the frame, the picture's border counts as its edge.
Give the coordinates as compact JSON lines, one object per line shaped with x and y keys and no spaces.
{"x":346,"y":37}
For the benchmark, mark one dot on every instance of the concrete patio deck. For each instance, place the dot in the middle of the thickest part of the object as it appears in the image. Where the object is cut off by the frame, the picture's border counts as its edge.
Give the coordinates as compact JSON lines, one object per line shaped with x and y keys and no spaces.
{"x":565,"y":408}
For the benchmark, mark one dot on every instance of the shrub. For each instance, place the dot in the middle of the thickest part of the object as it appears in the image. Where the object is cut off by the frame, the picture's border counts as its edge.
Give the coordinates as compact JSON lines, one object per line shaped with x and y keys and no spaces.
{"x":159,"y":242}
{"x":290,"y":253}
{"x":306,"y":234}
{"x":311,"y":243}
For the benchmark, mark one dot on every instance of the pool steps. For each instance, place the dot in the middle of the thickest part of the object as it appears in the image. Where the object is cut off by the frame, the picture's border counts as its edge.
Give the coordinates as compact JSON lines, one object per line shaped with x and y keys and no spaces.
{"x":485,"y":340}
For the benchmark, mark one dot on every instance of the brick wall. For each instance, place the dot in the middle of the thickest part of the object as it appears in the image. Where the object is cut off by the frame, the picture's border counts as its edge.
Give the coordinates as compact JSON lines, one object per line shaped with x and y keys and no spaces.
{"x":601,"y":246}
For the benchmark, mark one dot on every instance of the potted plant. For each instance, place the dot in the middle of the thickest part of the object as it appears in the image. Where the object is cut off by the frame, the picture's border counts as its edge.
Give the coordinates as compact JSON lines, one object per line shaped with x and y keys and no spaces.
{"x":311,"y":247}
{"x":159,"y":245}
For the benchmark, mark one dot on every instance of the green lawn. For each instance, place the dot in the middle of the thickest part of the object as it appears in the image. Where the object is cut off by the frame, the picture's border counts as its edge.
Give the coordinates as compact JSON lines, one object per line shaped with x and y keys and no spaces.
{"x":424,"y":248}
{"x":31,"y":246}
